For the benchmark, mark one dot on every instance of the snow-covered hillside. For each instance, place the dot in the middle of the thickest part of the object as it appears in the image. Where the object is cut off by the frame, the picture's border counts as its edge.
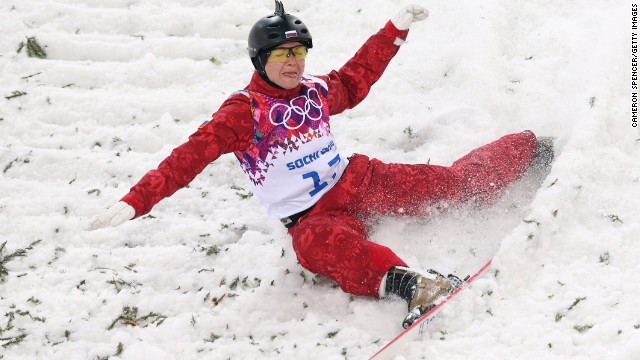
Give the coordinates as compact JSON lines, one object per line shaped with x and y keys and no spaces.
{"x":207,"y":276}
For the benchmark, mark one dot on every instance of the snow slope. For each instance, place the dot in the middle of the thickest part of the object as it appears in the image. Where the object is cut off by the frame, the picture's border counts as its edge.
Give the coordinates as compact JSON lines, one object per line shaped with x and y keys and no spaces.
{"x":208,"y":276}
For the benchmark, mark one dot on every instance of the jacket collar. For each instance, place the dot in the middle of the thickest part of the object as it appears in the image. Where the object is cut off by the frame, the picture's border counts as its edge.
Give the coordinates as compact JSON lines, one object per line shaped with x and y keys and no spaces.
{"x":257,"y":84}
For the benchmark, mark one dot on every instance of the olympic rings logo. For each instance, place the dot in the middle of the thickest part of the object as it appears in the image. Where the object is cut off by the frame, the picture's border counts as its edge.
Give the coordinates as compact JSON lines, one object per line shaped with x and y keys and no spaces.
{"x":297,"y":111}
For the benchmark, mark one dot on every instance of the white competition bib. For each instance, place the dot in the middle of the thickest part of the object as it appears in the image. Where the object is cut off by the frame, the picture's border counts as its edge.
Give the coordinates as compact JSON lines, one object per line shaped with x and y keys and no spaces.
{"x":293,"y":160}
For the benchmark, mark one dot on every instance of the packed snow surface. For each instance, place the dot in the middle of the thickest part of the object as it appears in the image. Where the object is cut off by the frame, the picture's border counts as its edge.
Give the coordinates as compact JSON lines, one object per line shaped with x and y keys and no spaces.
{"x":208,"y":276}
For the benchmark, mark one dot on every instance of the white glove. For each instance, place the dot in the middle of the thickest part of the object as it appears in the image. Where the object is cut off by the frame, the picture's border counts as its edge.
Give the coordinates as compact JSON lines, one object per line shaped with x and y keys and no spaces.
{"x":408,"y":15}
{"x":113,"y":216}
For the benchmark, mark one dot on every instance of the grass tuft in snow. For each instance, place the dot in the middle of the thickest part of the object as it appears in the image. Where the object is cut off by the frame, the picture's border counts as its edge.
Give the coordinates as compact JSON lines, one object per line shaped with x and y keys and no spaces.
{"x":15,"y":94}
{"x":411,"y":134}
{"x":12,"y":335}
{"x":34,"y":301}
{"x":94,"y":191}
{"x":13,"y":340}
{"x":242,"y":192}
{"x":4,"y":259}
{"x":531,"y":221}
{"x":120,"y":284}
{"x":119,"y":350}
{"x":576,"y":302}
{"x":129,"y":316}
{"x":559,"y":316}
{"x":212,"y":338}
{"x":582,"y":328}
{"x":614,"y":218}
{"x":332,"y":334}
{"x":10,"y":340}
{"x":57,"y":254}
{"x":34,"y":49}
{"x":211,"y":250}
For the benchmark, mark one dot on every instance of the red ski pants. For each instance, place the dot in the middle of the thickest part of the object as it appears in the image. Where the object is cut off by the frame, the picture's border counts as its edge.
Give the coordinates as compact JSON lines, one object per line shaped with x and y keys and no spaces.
{"x":331,"y":239}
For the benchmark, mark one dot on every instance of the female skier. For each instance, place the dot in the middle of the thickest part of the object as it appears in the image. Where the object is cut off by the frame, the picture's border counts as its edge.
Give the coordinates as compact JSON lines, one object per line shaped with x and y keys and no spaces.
{"x":278,"y":128}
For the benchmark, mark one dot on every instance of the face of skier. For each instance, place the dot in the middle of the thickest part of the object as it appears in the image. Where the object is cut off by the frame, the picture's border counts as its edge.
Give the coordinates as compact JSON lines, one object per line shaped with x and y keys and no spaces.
{"x":285,"y":64}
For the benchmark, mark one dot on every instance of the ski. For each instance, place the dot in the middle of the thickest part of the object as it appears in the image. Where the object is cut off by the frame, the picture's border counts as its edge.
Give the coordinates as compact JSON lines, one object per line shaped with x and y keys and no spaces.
{"x":417,"y":330}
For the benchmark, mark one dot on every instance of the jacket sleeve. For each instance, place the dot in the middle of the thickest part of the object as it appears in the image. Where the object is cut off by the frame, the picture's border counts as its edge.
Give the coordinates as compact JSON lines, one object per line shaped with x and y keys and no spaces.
{"x":350,"y":85}
{"x":230,"y":129}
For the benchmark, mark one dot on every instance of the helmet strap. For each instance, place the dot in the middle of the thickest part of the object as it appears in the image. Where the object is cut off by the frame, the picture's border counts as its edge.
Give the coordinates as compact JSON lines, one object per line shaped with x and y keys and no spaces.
{"x":258,"y":63}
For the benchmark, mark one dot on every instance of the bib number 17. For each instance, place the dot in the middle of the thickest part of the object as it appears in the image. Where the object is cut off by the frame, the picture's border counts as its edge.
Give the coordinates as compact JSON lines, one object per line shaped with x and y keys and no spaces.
{"x":315,"y":177}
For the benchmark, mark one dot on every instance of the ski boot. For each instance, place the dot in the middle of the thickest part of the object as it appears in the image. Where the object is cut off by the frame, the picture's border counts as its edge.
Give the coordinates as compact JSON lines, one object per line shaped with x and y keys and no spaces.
{"x":421,"y":290}
{"x":544,"y":155}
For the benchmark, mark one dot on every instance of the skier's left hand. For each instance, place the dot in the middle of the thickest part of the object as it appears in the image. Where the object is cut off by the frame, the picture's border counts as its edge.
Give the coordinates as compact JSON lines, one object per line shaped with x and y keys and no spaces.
{"x":408,"y":15}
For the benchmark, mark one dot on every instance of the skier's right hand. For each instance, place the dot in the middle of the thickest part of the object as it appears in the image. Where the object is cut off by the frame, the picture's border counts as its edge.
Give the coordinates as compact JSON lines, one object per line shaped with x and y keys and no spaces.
{"x":113,"y":216}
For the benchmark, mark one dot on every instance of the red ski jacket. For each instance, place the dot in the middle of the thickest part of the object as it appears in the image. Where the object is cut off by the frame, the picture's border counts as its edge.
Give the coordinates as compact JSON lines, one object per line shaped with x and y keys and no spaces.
{"x":231,"y":128}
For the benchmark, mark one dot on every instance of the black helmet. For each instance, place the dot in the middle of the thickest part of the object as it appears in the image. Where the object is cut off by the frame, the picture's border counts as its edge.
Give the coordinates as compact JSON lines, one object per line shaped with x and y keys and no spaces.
{"x":276,"y":29}
{"x":273,"y":30}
